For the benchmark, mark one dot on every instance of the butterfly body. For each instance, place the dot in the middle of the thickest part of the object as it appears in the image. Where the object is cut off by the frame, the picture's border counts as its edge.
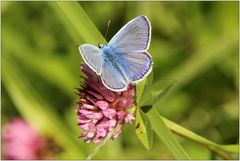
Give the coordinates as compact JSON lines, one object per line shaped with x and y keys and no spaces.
{"x":113,"y":58}
{"x":125,"y":59}
{"x":109,"y":54}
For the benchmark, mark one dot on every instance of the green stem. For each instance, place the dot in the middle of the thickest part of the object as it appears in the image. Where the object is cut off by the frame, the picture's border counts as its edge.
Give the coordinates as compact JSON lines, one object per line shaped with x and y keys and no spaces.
{"x":191,"y":135}
{"x":109,"y":136}
{"x":220,"y":150}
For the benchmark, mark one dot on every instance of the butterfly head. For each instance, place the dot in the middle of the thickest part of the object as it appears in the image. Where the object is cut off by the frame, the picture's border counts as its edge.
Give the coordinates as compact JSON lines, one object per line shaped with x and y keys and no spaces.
{"x":100,"y":46}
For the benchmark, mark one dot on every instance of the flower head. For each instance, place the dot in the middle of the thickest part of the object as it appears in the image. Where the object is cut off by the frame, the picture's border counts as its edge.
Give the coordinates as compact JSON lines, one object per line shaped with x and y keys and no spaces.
{"x":101,"y":110}
{"x":21,"y":141}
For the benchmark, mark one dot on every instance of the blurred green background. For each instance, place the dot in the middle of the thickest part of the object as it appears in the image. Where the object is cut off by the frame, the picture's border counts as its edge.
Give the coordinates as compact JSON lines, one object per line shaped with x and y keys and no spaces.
{"x":195,"y":43}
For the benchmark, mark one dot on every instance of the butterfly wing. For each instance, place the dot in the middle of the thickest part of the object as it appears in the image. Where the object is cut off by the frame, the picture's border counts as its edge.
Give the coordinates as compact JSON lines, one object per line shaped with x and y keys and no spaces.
{"x":136,"y":65}
{"x":112,"y":78}
{"x":130,"y":44}
{"x":92,"y":57}
{"x":134,"y":36}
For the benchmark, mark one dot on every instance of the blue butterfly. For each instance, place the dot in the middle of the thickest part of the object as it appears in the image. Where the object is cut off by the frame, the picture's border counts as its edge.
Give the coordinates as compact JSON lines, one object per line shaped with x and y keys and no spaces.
{"x":125,"y":59}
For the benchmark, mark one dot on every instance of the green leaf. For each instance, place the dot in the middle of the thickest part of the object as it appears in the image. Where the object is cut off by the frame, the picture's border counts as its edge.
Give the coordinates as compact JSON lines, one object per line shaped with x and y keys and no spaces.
{"x":143,"y":88}
{"x":165,"y":135}
{"x":149,"y":81}
{"x":156,"y":92}
{"x":143,"y":129}
{"x":139,"y":90}
{"x":191,"y":135}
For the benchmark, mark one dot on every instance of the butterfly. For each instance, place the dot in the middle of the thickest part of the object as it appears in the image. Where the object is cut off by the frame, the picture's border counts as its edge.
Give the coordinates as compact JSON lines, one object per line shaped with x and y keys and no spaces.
{"x":125,"y":59}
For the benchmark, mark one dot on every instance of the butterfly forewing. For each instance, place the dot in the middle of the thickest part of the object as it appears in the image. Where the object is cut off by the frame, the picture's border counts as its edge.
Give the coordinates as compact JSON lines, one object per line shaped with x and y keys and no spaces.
{"x":92,"y":56}
{"x":134,"y":36}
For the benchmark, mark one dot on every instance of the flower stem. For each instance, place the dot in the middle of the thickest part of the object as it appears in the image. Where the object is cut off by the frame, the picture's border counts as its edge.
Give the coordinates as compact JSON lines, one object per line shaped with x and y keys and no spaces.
{"x":102,"y":143}
{"x":98,"y":147}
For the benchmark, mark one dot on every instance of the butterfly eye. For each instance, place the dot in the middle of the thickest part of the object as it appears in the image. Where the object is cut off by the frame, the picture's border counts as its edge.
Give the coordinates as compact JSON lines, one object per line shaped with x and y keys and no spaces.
{"x":100,"y":45}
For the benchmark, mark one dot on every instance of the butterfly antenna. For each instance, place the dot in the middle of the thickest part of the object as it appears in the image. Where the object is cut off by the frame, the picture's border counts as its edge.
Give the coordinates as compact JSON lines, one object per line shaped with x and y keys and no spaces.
{"x":107,"y":29}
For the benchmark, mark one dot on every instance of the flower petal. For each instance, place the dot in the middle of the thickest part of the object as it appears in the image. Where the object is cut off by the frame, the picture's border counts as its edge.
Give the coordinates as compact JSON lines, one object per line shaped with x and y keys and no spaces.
{"x":109,"y":113}
{"x":102,"y":104}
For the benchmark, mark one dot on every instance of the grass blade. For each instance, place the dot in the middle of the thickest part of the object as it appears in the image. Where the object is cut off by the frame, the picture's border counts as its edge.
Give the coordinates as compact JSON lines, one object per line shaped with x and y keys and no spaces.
{"x":80,"y":21}
{"x":57,"y":73}
{"x":191,"y":135}
{"x":165,"y":135}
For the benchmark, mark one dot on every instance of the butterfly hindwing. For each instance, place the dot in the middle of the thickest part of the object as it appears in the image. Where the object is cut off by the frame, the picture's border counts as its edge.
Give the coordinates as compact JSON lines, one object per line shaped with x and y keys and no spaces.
{"x":112,"y":78}
{"x":92,"y":56}
{"x":136,"y":65}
